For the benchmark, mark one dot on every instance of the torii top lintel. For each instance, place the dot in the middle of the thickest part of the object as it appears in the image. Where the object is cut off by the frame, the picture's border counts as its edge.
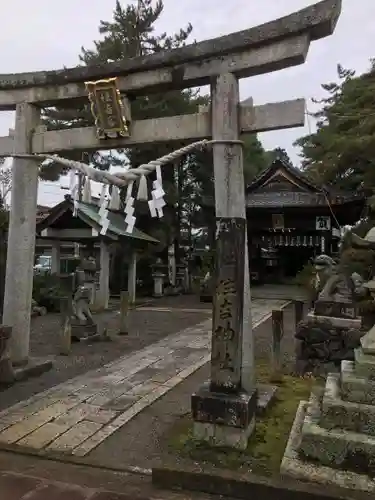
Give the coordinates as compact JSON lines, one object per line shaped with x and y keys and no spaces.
{"x":316,"y":21}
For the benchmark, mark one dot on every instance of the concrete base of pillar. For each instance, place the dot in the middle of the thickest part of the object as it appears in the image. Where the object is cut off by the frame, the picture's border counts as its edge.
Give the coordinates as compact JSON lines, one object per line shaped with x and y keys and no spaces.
{"x":33,"y":368}
{"x":222,"y":436}
{"x":219,"y":435}
{"x":223,"y":419}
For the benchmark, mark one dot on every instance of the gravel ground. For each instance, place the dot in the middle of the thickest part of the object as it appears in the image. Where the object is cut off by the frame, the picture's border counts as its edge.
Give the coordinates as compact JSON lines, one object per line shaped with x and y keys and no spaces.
{"x":145,"y":327}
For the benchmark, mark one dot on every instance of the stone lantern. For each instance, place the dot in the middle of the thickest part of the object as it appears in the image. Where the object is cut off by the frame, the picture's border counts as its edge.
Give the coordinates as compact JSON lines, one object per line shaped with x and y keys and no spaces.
{"x":158,"y":274}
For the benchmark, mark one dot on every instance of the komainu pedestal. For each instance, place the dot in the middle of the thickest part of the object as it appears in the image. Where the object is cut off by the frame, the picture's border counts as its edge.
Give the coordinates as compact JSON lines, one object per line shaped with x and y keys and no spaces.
{"x":333,"y":436}
{"x":333,"y":328}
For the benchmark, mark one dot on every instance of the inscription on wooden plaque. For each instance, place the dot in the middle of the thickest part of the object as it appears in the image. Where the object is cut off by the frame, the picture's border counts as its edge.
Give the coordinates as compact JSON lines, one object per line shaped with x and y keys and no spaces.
{"x":107,"y":109}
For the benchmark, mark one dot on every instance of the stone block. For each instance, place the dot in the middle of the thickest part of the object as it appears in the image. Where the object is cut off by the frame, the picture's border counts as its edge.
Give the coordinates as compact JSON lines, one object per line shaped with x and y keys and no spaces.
{"x":336,"y":322}
{"x":355,"y":388}
{"x":364,"y":364}
{"x":223,"y":419}
{"x":296,"y":467}
{"x":84,"y":332}
{"x":336,"y":309}
{"x":43,"y":435}
{"x":222,"y":435}
{"x":234,"y":410}
{"x":31,"y":423}
{"x":368,"y":342}
{"x":33,"y":368}
{"x":335,"y":447}
{"x":346,"y":415}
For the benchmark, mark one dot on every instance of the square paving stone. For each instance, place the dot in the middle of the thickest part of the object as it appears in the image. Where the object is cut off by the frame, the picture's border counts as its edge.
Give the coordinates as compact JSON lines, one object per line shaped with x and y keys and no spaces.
{"x":121,"y":403}
{"x":143,"y":375}
{"x":183,"y":352}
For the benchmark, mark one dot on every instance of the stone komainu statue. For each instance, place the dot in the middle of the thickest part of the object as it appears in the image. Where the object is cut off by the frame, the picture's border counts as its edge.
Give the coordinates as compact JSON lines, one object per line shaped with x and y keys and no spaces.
{"x":83,"y":324}
{"x":82,"y":299}
{"x":333,"y":285}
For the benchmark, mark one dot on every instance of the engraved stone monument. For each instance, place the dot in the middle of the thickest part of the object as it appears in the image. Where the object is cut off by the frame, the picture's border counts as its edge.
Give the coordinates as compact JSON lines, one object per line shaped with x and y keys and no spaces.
{"x":223,"y":412}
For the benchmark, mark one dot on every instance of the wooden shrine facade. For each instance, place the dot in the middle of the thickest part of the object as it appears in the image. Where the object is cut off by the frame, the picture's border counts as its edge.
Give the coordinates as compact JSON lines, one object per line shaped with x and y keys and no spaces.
{"x":290,"y":220}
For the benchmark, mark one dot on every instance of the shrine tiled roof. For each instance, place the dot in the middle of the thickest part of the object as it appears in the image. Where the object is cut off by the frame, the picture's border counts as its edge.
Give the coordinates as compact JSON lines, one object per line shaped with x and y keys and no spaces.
{"x":282,"y":185}
{"x":89,"y":214}
{"x":294,"y":173}
{"x":117,"y":224}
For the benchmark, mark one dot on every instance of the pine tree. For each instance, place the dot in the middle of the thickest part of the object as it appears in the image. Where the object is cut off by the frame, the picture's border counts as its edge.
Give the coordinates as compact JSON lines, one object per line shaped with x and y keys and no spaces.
{"x":341,"y":152}
{"x":129,"y":34}
{"x":280,"y":154}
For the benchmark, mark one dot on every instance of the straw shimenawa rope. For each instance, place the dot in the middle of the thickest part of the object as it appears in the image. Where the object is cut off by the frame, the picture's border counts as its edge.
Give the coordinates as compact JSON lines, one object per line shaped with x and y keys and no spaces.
{"x":121,"y":179}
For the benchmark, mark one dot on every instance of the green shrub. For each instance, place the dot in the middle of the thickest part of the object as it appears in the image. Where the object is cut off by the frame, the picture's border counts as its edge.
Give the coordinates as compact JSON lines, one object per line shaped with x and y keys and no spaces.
{"x":47,"y":291}
{"x":306,"y":278}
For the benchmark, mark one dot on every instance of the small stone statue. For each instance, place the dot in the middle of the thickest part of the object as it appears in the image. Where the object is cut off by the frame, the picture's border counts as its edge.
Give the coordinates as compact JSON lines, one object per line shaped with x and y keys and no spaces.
{"x":82,"y":299}
{"x":83,"y":324}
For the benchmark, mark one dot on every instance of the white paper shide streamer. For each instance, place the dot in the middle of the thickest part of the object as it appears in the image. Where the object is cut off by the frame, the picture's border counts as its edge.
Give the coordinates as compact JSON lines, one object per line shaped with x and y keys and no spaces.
{"x":142,"y":194}
{"x":157,"y":201}
{"x":120,"y":180}
{"x":74,"y":191}
{"x":130,"y":219}
{"x":103,"y":210}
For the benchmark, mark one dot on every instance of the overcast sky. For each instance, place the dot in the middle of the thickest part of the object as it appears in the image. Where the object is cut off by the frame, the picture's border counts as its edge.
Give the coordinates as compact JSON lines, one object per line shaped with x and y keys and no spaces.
{"x":47,"y":34}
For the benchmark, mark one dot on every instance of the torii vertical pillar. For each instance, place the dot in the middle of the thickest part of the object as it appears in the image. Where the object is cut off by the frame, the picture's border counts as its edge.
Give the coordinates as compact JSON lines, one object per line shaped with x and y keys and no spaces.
{"x":224,"y":410}
{"x":21,"y":238}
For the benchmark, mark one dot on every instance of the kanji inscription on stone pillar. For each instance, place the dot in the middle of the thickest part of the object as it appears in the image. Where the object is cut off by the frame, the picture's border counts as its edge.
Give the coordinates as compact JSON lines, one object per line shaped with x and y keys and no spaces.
{"x":228,"y":305}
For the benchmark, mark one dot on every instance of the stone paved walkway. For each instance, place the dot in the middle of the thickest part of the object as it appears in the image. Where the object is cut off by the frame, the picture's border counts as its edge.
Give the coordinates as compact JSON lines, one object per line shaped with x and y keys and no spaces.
{"x":76,"y":416}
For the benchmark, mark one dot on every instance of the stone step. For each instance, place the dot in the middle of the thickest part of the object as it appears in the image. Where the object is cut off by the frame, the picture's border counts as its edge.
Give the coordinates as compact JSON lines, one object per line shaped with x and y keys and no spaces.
{"x":354,"y":388}
{"x":368,"y":342}
{"x":338,"y":448}
{"x":345,"y":415}
{"x":364,"y":364}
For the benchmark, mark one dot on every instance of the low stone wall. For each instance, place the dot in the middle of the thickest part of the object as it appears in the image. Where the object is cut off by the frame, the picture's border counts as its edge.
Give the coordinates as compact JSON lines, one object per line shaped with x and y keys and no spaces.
{"x":321,"y":347}
{"x":234,"y":485}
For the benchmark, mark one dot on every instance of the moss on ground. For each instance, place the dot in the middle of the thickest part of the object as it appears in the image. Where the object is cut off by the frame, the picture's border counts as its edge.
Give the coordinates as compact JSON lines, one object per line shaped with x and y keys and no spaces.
{"x":267,"y":444}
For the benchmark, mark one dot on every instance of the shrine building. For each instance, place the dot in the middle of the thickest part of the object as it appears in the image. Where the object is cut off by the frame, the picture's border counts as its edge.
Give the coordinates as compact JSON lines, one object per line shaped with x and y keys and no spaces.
{"x":291,"y":220}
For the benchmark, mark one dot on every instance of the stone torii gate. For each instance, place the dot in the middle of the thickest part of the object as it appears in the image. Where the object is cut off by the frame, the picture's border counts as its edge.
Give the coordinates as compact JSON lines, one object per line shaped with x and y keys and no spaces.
{"x":220,"y":62}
